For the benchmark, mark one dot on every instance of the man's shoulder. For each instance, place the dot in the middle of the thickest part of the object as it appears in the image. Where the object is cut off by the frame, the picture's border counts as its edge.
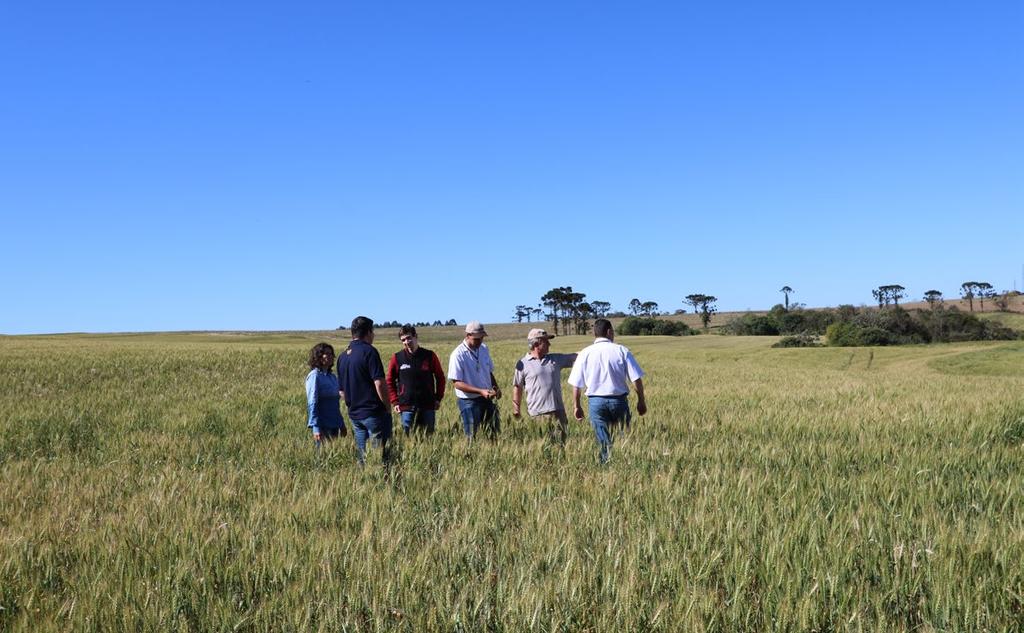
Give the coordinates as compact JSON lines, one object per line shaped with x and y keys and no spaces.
{"x":366,"y":349}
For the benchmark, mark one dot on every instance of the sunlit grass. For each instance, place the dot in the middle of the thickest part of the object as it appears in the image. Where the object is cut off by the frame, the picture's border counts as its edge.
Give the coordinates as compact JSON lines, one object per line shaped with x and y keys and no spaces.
{"x":168,"y":483}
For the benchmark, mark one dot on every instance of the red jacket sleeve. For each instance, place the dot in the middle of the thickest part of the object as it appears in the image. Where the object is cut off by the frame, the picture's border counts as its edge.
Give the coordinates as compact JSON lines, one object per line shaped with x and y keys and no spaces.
{"x":393,"y":379}
{"x":438,"y":378}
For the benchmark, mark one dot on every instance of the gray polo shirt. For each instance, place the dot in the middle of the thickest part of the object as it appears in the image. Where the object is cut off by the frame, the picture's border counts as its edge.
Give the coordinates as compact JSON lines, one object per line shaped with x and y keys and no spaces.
{"x":542,"y":381}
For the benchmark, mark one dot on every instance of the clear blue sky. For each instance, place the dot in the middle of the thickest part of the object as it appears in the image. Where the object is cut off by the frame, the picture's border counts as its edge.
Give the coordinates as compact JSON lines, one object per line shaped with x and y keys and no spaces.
{"x":228,"y":165}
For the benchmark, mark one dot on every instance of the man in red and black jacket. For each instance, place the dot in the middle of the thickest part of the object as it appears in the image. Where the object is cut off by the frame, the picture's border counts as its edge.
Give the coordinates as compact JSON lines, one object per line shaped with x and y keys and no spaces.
{"x":416,"y":383}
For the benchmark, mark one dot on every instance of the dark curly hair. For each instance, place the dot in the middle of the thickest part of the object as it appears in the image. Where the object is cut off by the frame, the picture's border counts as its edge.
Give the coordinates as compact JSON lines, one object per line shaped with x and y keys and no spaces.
{"x":318,"y":351}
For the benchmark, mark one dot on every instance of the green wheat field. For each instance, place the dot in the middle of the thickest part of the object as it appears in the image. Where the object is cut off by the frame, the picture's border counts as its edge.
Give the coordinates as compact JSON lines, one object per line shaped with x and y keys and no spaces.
{"x":168,"y":483}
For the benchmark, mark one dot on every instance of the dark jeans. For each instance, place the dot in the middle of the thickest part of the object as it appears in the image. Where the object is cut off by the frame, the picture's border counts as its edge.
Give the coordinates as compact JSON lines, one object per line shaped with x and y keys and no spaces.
{"x":418,"y":419}
{"x":476,"y":412}
{"x":326,"y":435}
{"x":606,"y":412}
{"x":377,"y":429}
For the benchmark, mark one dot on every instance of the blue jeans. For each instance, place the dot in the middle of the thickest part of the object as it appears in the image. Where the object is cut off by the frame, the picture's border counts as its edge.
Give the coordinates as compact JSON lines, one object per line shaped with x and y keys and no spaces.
{"x":605,"y":413}
{"x":377,"y":429}
{"x":418,"y":419}
{"x":476,"y":412}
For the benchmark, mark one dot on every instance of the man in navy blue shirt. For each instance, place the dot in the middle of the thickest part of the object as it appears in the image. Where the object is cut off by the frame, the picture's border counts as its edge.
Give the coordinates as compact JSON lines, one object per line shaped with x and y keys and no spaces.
{"x":365,"y":389}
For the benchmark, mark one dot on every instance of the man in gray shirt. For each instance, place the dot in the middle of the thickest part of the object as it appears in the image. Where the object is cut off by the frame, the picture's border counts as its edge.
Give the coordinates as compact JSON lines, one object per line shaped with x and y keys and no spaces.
{"x":539,"y":373}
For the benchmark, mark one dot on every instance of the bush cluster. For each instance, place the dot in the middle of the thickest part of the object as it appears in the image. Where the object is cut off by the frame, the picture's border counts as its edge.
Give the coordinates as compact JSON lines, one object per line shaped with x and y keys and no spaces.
{"x":786,"y":322}
{"x":897,"y":326}
{"x":799,"y":340}
{"x":645,"y":326}
{"x":848,"y":326}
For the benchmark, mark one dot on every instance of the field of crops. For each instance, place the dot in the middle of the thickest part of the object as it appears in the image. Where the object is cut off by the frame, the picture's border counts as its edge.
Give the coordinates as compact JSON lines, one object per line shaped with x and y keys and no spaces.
{"x":168,"y":482}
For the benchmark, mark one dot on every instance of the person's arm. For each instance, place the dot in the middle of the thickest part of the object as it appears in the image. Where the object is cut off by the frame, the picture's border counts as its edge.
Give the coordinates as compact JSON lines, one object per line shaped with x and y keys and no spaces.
{"x":577,"y":381}
{"x":518,"y":382}
{"x":382,"y":389}
{"x":393,"y":381}
{"x":636,"y":375}
{"x":468,"y":388}
{"x":341,"y":389}
{"x":439,"y":380}
{"x":312,"y":421}
{"x":377,"y":375}
{"x":641,"y":402}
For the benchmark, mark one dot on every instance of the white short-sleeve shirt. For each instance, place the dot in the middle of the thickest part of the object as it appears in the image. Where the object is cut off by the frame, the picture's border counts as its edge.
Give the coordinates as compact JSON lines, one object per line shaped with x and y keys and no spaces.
{"x":605,"y":368}
{"x":471,"y":367}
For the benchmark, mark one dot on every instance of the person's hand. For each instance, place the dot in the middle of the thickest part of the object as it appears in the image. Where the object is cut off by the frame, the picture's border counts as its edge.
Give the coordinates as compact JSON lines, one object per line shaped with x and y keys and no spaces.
{"x":515,"y":409}
{"x":397,"y":409}
{"x":641,"y":407}
{"x":497,"y":393}
{"x":316,"y":436}
{"x":577,"y":412}
{"x":489,"y":393}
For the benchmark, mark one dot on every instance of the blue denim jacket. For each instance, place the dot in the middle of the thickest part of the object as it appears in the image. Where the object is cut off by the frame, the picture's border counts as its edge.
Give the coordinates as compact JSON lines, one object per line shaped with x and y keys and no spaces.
{"x":323,"y":401}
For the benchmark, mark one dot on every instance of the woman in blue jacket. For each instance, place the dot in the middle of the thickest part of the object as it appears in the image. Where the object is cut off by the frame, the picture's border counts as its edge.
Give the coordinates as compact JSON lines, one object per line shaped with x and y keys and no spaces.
{"x":323,"y":398}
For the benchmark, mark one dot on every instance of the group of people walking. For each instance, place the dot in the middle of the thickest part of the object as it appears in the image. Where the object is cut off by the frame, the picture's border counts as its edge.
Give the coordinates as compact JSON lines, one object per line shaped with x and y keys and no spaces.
{"x":414,"y":385}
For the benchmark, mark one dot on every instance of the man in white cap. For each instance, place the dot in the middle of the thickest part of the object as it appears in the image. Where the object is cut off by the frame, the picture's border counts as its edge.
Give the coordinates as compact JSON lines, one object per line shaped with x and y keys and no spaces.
{"x":471,"y":371}
{"x":539,"y":373}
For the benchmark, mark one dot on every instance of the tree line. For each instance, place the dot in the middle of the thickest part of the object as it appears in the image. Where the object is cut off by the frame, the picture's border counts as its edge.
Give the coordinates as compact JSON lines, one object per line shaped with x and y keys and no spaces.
{"x":385,"y":324}
{"x":569,"y":311}
{"x":969,"y":290}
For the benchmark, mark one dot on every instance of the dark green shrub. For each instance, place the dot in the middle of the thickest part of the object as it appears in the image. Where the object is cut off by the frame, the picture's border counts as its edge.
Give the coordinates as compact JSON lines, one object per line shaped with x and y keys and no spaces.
{"x":843,"y":334}
{"x":753,"y":325}
{"x":845,"y":312}
{"x":900,"y":326}
{"x":874,"y":335}
{"x":645,"y":326}
{"x":804,"y":339}
{"x":949,"y":324}
{"x":848,"y":326}
{"x":780,"y":321}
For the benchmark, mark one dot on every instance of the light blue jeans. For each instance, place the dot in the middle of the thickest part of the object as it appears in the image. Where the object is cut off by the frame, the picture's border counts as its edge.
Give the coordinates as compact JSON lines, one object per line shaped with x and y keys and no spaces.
{"x":607,"y":412}
{"x":377,"y":429}
{"x":416,"y":420}
{"x":476,"y":412}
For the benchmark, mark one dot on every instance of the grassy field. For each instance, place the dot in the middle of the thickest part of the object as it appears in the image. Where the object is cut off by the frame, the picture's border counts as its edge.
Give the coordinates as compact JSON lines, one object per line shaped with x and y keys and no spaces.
{"x":168,"y":483}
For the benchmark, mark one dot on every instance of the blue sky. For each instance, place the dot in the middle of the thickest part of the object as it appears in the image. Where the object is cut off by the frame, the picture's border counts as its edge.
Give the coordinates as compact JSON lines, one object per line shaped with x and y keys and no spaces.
{"x":266,"y":166}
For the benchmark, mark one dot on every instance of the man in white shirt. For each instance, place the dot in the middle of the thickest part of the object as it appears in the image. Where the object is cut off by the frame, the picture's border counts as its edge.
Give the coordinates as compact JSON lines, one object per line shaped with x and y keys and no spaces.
{"x":605,"y":369}
{"x":471,"y":370}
